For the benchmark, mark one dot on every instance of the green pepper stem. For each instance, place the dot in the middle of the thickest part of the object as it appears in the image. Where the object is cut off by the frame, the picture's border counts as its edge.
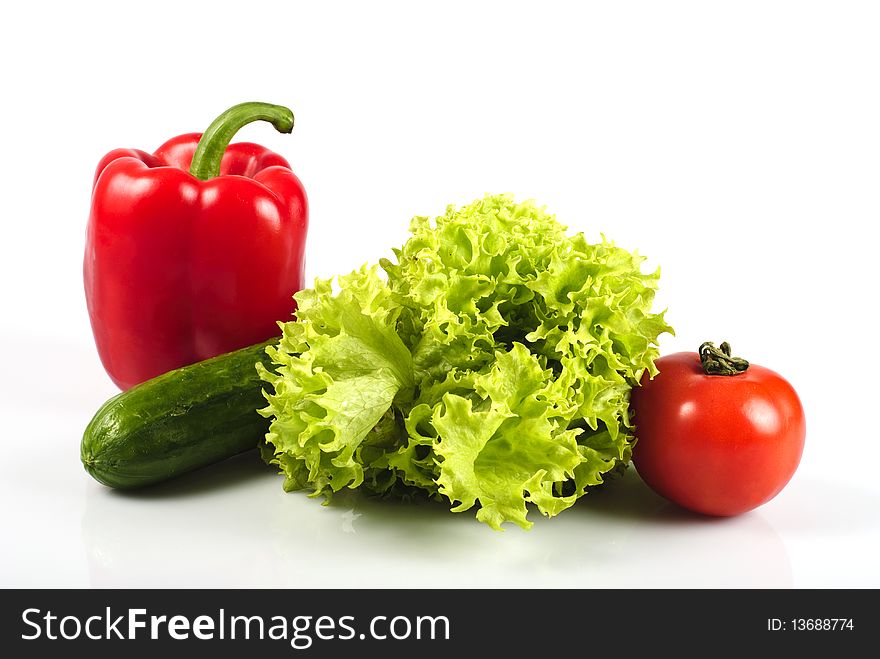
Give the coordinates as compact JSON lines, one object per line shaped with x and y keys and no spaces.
{"x":719,"y":361}
{"x":212,"y":145}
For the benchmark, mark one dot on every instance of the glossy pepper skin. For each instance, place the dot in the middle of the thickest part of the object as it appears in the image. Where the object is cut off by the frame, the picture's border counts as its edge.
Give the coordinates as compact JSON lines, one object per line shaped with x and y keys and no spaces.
{"x":182,"y":266}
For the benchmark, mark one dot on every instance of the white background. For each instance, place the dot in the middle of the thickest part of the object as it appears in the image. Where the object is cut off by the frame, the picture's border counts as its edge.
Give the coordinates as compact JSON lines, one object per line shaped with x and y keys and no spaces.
{"x":735,"y":144}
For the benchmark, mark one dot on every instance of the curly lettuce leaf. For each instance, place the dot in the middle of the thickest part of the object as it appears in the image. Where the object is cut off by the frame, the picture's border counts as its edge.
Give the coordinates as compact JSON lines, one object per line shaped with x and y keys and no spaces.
{"x":339,"y":369}
{"x":510,"y":448}
{"x":491,"y":369}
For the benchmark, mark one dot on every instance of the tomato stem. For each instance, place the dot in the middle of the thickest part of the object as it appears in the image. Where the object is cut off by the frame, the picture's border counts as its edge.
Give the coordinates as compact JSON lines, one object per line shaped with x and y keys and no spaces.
{"x":720,"y":361}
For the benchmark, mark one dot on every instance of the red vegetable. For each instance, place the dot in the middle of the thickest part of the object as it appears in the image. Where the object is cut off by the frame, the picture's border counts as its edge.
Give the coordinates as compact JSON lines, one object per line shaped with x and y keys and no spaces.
{"x":194,"y":250}
{"x":715,"y":434}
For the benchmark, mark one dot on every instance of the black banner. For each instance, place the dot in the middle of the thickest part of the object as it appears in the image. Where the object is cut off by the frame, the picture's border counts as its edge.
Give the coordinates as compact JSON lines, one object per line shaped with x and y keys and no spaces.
{"x":427,"y":623}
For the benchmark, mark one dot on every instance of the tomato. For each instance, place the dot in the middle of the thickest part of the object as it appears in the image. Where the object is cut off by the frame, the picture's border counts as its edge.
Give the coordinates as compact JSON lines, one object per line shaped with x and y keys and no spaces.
{"x":716,"y":444}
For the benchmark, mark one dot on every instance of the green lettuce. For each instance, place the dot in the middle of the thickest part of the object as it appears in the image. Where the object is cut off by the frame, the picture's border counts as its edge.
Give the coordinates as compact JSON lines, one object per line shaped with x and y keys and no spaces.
{"x":489,"y":366}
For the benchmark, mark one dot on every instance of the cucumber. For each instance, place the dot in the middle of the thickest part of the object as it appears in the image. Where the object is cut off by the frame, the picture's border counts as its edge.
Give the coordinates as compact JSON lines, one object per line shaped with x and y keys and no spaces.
{"x":180,"y":421}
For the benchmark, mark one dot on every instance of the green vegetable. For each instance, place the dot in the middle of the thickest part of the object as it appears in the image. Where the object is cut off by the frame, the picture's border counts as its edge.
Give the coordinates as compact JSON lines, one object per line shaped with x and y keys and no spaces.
{"x":493,"y":367}
{"x":185,"y":419}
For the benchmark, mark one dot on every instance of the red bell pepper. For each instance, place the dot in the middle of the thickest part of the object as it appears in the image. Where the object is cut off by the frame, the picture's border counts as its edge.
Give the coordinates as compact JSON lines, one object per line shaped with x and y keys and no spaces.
{"x":194,"y":250}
